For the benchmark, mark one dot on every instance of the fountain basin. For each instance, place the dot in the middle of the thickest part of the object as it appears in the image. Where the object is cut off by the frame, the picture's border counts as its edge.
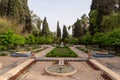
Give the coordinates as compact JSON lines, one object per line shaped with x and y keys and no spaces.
{"x":61,"y":70}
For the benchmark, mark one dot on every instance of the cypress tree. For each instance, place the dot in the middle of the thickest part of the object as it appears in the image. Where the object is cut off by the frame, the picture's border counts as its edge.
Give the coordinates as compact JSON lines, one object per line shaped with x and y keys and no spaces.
{"x":65,"y":33}
{"x":45,"y":29}
{"x":58,"y":30}
{"x":77,"y":29}
{"x":101,"y":9}
{"x":18,"y":10}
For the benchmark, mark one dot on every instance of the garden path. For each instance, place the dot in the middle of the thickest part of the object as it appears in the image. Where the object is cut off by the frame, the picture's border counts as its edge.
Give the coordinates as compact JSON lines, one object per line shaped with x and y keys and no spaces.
{"x":111,"y":63}
{"x":44,"y":52}
{"x":84,"y":72}
{"x":79,"y":52}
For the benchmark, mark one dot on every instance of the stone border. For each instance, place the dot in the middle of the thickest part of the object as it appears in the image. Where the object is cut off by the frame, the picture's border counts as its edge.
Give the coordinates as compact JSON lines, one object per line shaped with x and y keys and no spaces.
{"x":105,"y":70}
{"x":1,"y":65}
{"x":15,"y":71}
{"x":61,"y":74}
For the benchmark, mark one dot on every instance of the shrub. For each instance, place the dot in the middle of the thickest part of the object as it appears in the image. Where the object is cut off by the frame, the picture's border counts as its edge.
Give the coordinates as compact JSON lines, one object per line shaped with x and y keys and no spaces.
{"x":61,"y":52}
{"x":3,"y":48}
{"x":3,"y":54}
{"x":6,"y":24}
{"x":87,"y":39}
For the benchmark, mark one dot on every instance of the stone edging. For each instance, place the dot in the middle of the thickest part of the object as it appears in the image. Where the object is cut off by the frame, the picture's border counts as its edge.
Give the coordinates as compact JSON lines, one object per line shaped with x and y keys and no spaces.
{"x":104,"y":69}
{"x":1,"y":65}
{"x":60,"y":74}
{"x":13,"y":72}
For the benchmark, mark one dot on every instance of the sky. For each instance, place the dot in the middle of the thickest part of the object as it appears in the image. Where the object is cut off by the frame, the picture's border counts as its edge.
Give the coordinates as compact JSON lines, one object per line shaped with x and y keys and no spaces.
{"x":64,"y":11}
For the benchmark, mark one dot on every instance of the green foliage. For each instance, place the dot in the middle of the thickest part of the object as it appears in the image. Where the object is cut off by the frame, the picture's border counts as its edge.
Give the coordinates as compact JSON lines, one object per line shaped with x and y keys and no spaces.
{"x":74,"y":40}
{"x":18,"y":10}
{"x":115,"y":37}
{"x":30,"y":39}
{"x":77,"y":30}
{"x":3,"y":48}
{"x":65,"y":33}
{"x":99,"y":9}
{"x":97,"y":38}
{"x":87,"y":39}
{"x":36,"y":32}
{"x":85,"y":24}
{"x":107,"y":39}
{"x":93,"y":21}
{"x":45,"y":29}
{"x":10,"y":39}
{"x":93,"y":17}
{"x":5,"y":25}
{"x":3,"y":54}
{"x":58,"y":30}
{"x":111,"y":22}
{"x":19,"y":40}
{"x":61,"y":52}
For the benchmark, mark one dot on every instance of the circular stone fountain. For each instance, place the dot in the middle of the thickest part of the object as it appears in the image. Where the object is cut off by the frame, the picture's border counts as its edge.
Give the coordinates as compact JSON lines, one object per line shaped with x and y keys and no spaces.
{"x":61,"y":69}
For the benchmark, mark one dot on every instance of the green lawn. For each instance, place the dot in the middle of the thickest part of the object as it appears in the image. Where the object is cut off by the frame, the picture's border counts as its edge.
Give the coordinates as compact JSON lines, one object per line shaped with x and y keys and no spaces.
{"x":61,"y":52}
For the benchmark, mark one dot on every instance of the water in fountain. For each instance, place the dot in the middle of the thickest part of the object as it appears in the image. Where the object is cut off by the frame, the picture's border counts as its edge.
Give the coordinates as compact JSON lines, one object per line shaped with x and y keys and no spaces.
{"x":61,"y":69}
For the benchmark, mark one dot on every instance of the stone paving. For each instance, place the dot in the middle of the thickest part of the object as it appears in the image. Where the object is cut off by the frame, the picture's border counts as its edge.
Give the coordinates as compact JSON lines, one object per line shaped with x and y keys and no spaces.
{"x":80,"y":53}
{"x":44,"y":52}
{"x":84,"y":72}
{"x":111,"y":63}
{"x":10,"y":62}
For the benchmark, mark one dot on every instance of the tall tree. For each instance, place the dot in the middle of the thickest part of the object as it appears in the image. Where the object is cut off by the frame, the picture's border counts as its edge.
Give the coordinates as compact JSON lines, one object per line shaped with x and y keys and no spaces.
{"x":58,"y":30}
{"x":18,"y":10}
{"x":77,"y":29}
{"x":85,"y":23}
{"x":65,"y":33}
{"x":45,"y":29}
{"x":36,"y":21}
{"x":100,"y":8}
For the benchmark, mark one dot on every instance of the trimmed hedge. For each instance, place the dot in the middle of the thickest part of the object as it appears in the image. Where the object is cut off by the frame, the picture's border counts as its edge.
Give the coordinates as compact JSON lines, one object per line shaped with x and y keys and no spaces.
{"x":61,"y":52}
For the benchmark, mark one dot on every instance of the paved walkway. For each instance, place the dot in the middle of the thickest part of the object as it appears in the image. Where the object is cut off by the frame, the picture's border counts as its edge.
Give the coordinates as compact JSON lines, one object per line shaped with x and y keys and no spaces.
{"x":79,"y":52}
{"x":44,"y":52}
{"x":111,"y":63}
{"x":84,"y":72}
{"x":12,"y":62}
